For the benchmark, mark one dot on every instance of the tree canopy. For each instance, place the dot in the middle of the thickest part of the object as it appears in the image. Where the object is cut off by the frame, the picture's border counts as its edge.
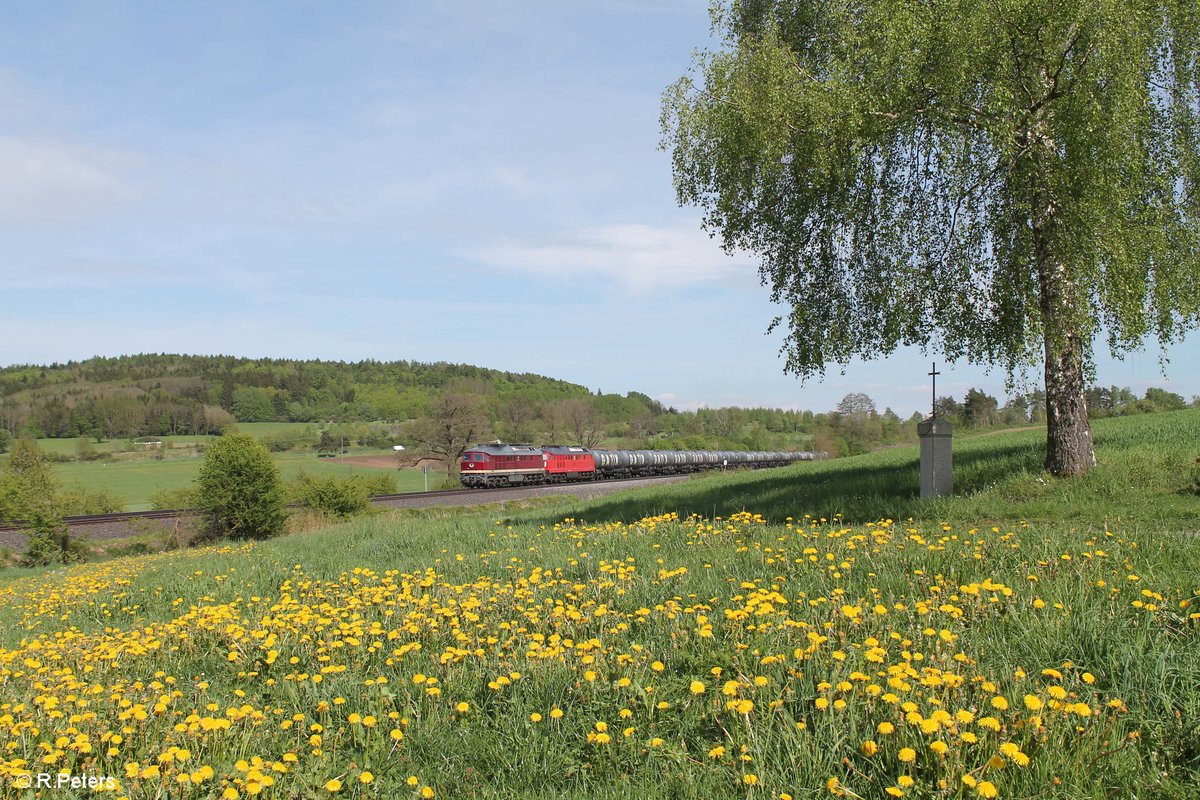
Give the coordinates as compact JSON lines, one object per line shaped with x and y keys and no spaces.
{"x":1000,"y":180}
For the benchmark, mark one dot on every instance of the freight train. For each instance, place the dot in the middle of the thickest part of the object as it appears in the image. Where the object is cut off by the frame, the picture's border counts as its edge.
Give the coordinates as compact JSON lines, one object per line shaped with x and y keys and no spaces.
{"x":508,"y":464}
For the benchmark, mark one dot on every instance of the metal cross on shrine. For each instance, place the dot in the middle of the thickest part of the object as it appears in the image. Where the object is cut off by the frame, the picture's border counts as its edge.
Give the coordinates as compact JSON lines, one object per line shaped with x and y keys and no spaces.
{"x":933,"y":373}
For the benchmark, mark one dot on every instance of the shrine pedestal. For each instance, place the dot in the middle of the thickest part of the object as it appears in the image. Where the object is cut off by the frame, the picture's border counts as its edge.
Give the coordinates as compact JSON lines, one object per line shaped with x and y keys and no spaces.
{"x":937,"y":458}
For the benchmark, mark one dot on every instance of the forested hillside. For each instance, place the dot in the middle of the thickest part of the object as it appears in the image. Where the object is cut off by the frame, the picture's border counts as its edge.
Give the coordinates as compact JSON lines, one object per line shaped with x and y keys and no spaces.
{"x":159,"y":395}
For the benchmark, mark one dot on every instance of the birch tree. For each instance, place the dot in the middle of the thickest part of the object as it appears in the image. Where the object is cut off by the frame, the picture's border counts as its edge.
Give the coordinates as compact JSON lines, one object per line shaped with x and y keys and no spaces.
{"x":1003,"y":181}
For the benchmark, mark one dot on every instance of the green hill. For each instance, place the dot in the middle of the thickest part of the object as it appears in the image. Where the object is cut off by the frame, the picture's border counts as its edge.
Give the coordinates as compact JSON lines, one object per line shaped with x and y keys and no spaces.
{"x":161,"y":394}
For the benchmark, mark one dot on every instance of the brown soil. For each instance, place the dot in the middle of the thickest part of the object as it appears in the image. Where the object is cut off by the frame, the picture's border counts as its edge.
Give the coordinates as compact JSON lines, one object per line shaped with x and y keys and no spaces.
{"x":387,"y":462}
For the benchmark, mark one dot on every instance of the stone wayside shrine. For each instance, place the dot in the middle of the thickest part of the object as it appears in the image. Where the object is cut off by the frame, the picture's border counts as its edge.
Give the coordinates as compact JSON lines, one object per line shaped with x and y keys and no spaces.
{"x":937,"y":458}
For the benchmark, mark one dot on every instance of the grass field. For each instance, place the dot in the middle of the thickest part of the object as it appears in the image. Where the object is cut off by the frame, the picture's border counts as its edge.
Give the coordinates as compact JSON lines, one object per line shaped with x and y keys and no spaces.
{"x":69,"y":447}
{"x":135,"y":482}
{"x":1028,"y":638}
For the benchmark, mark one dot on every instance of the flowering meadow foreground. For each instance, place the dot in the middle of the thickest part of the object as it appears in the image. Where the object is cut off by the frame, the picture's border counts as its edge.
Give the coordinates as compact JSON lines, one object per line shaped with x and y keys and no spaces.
{"x":668,"y":657}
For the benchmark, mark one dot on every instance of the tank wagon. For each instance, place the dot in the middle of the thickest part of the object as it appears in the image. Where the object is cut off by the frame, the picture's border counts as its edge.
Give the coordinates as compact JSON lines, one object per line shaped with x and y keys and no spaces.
{"x":510,"y":464}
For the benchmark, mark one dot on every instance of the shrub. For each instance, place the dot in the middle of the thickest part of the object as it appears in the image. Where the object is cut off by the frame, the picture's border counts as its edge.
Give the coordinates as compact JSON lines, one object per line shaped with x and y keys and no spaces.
{"x":239,"y":490}
{"x":86,"y":451}
{"x":282,"y":441}
{"x":27,"y":486}
{"x":175,"y":498}
{"x":378,"y":483}
{"x":347,"y":497}
{"x":51,"y":540}
{"x":83,"y":501}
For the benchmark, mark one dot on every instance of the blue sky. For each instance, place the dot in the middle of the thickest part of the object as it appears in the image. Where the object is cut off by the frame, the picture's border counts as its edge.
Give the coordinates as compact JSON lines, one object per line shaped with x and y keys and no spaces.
{"x":425,"y":181}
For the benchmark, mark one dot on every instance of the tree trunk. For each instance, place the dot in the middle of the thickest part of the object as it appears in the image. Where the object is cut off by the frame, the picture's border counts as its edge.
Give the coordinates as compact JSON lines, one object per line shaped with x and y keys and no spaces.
{"x":1069,"y":448}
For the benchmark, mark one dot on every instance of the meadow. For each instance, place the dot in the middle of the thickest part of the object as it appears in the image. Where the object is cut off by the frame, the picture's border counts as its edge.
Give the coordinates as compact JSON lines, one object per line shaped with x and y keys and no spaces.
{"x":133,"y":474}
{"x":758,"y":635}
{"x":135,"y":482}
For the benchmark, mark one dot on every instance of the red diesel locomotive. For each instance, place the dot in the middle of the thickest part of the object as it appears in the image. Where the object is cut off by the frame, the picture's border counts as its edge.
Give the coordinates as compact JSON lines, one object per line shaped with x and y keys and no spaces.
{"x":509,"y":464}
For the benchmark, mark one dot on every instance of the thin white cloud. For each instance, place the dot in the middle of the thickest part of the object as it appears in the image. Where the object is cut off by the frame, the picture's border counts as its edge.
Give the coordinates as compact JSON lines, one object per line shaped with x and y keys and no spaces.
{"x":77,"y":273}
{"x":639,"y":257}
{"x":46,"y":181}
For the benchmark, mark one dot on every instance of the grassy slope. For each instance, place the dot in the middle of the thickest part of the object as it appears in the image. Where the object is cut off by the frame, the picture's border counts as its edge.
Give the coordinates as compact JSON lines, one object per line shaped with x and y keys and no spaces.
{"x":1148,"y":658}
{"x":1147,"y":468}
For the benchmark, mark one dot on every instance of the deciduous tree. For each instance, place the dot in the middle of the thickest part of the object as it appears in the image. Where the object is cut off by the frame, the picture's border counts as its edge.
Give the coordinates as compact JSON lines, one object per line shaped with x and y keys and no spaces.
{"x":456,"y":421}
{"x":998,"y":179}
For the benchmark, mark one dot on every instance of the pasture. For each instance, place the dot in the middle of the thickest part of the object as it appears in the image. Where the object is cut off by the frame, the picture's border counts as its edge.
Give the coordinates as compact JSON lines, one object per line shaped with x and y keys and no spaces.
{"x":136,"y":481}
{"x":757,"y":635}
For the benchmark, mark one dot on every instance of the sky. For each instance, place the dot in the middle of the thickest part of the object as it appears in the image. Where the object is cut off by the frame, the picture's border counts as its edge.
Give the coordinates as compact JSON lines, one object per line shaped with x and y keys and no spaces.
{"x":460,"y":181}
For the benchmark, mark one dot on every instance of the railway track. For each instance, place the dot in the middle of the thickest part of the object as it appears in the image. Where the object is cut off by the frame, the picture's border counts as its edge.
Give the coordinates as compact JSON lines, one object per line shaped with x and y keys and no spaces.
{"x":122,"y":519}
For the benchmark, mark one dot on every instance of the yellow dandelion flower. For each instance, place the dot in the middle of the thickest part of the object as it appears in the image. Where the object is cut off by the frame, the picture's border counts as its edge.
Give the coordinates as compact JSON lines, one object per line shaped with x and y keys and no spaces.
{"x":333,"y":785}
{"x":986,"y":789}
{"x":907,"y":755}
{"x":365,"y":777}
{"x":697,"y":687}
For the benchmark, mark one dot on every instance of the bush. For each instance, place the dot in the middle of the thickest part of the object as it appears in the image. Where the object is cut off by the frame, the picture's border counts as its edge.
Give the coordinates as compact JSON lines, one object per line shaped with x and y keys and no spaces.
{"x":27,"y":486}
{"x":50,"y":540}
{"x":83,"y":501}
{"x":347,"y":497}
{"x":239,"y":490}
{"x":171,"y":499}
{"x":378,"y":483}
{"x":282,"y":441}
{"x":86,"y":451}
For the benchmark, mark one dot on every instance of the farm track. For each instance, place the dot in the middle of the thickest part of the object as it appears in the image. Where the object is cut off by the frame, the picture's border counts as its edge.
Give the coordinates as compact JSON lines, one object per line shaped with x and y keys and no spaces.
{"x":129,"y":523}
